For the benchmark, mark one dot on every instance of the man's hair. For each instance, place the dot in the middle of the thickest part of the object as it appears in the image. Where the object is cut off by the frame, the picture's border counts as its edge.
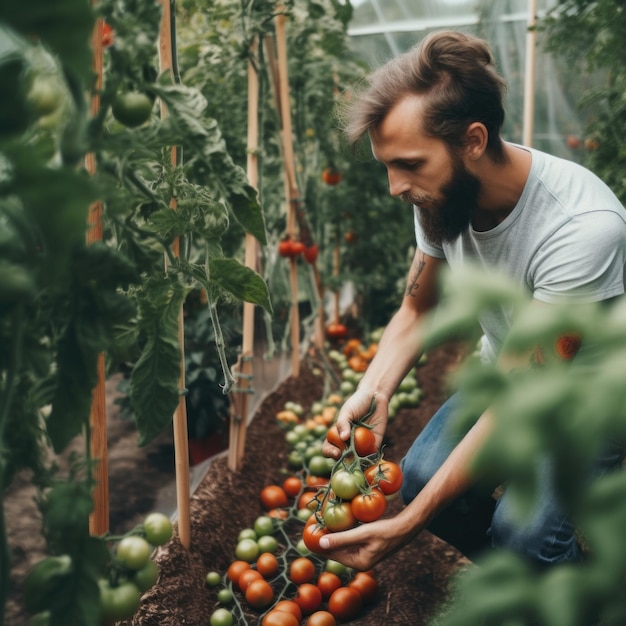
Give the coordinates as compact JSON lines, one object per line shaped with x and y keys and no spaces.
{"x":456,"y":72}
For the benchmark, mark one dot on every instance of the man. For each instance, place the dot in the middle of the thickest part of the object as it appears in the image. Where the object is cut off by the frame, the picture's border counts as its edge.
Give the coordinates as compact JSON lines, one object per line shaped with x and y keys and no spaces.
{"x":434,"y":116}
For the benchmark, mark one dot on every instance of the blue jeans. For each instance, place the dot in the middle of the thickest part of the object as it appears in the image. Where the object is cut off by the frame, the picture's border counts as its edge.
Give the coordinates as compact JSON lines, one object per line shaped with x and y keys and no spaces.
{"x":476,"y":521}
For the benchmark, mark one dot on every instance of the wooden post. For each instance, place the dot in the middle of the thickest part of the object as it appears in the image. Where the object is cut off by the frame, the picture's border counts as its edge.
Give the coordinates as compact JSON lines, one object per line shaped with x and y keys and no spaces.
{"x":181,"y":441}
{"x":99,"y":518}
{"x":291,"y":187}
{"x":240,"y":396}
{"x":529,"y":75}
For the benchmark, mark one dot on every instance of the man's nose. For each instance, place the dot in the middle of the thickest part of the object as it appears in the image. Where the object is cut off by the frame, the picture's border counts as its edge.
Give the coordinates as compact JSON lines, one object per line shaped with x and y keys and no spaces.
{"x":398,"y":184}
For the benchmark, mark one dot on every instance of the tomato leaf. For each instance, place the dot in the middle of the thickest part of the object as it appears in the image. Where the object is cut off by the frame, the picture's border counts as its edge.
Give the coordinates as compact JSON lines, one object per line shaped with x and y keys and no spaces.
{"x":205,"y":139}
{"x":154,"y":389}
{"x":63,"y":25}
{"x":240,"y":281}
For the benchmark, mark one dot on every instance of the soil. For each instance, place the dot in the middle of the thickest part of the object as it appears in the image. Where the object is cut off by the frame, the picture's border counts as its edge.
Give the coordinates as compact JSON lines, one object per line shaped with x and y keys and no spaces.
{"x":414,"y":582}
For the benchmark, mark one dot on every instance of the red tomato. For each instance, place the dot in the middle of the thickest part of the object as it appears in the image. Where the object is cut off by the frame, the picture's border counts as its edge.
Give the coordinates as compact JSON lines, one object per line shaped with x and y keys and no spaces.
{"x":280,"y":618}
{"x":235,"y":570}
{"x":568,"y":345}
{"x":308,"y":500}
{"x":327,"y":583}
{"x":331,"y":176}
{"x":107,"y":35}
{"x":289,"y":606}
{"x":387,"y":476}
{"x":274,"y":497}
{"x":311,"y":536}
{"x":366,"y":585}
{"x":310,"y":253}
{"x":267,"y":565}
{"x":364,"y":441}
{"x":345,"y":603}
{"x":336,"y":331}
{"x":278,"y":513}
{"x":332,"y":436}
{"x":259,"y":594}
{"x":246,"y":578}
{"x":321,"y":618}
{"x":367,"y":507}
{"x":292,"y":486}
{"x":316,"y":481}
{"x":302,"y":570}
{"x":309,"y":597}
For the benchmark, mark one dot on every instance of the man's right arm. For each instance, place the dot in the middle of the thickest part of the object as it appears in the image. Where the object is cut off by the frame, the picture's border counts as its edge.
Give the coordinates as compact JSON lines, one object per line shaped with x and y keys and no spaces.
{"x":398,"y":350}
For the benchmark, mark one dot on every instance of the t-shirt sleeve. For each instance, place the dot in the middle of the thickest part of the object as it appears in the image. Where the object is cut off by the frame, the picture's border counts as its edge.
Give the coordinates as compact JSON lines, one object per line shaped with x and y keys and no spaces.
{"x":583,"y":261}
{"x":422,"y":243}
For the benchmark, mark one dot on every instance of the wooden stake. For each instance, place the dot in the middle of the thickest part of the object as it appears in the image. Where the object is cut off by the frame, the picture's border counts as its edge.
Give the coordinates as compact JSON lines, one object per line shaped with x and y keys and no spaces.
{"x":291,"y":187}
{"x":240,"y":397}
{"x":99,"y":518}
{"x":529,"y":75}
{"x":181,"y":441}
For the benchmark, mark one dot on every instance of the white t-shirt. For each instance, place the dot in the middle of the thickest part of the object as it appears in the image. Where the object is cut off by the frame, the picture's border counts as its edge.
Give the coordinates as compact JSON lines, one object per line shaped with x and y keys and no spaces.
{"x":564,"y":240}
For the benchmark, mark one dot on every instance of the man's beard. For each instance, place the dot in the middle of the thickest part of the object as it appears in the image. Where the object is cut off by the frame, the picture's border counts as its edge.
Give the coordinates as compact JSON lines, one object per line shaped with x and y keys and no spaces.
{"x":445,"y":219}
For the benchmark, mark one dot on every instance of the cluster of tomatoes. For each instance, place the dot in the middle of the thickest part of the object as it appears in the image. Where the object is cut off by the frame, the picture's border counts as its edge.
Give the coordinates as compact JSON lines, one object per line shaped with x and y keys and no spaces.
{"x":291,"y":248}
{"x":358,"y":487}
{"x":130,"y":572}
{"x":277,"y":578}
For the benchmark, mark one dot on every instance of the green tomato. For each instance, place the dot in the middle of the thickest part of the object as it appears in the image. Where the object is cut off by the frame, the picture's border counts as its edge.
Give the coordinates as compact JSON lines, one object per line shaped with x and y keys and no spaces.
{"x":302,"y":549}
{"x":247,"y":550}
{"x":132,"y":108}
{"x":303,"y":514}
{"x":44,"y":581}
{"x":318,"y":465}
{"x":320,"y":431}
{"x":295,"y":458}
{"x":213,"y":579}
{"x":225,"y":596}
{"x":347,"y":387}
{"x":264,"y":525}
{"x":317,"y":407}
{"x":292,"y":437}
{"x":44,"y":96}
{"x":335,"y":567}
{"x":247,"y":533}
{"x":133,"y":552}
{"x":146,"y":577}
{"x":157,"y":528}
{"x":313,"y":450}
{"x":267,"y":543}
{"x":118,"y":603}
{"x":347,"y":484}
{"x":221,"y":617}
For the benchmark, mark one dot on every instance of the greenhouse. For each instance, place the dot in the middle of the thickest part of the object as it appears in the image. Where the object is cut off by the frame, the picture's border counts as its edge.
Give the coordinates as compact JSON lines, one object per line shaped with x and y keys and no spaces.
{"x":312,"y":312}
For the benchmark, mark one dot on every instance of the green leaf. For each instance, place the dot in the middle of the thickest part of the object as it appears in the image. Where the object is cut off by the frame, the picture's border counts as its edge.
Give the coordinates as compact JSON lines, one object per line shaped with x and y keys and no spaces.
{"x":240,"y":281}
{"x":64,"y":26}
{"x":154,"y":389}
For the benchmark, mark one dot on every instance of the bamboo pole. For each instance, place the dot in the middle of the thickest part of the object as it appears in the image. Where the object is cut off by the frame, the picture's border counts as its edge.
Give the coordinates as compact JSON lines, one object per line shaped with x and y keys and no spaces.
{"x":529,"y":74}
{"x":240,"y":397}
{"x":99,"y":518}
{"x":291,"y":187}
{"x":181,"y":441}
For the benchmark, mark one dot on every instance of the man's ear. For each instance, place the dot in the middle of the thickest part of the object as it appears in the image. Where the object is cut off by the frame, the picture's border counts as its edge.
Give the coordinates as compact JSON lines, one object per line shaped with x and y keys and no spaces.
{"x":476,"y":138}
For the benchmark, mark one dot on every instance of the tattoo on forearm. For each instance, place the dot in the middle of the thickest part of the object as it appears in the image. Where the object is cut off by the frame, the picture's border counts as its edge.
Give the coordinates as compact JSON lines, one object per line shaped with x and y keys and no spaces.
{"x":416,"y":271}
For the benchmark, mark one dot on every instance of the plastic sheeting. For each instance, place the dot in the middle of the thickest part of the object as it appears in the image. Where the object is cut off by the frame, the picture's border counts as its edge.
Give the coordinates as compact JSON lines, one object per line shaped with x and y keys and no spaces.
{"x":381,"y":29}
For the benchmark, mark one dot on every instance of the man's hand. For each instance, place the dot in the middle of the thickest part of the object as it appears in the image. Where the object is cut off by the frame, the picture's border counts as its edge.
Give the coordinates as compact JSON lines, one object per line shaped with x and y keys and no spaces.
{"x":364,"y":546}
{"x":354,"y":409}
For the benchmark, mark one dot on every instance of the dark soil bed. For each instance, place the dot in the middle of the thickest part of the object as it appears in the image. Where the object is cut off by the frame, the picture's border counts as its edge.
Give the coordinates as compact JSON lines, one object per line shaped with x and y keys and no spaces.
{"x":413,"y":583}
